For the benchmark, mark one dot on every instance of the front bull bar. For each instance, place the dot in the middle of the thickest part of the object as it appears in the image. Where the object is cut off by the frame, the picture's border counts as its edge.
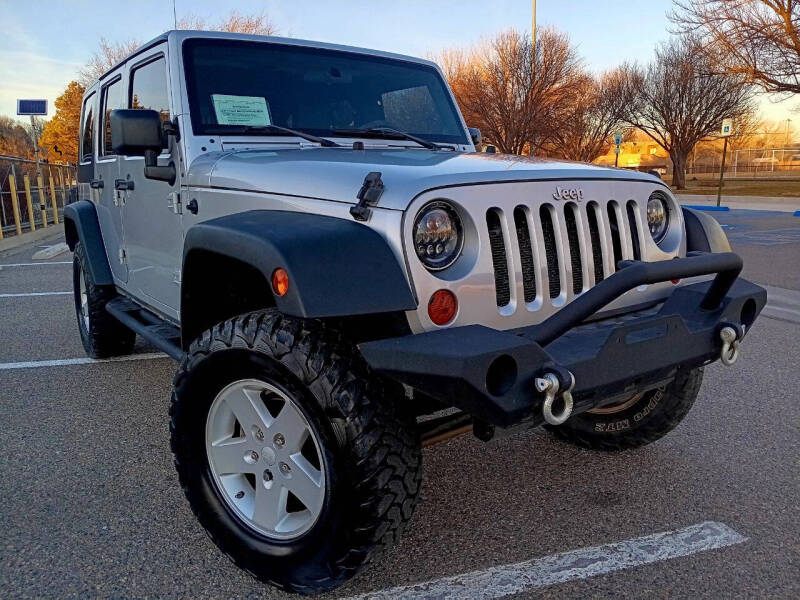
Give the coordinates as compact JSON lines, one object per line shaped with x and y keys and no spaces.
{"x":491,"y":374}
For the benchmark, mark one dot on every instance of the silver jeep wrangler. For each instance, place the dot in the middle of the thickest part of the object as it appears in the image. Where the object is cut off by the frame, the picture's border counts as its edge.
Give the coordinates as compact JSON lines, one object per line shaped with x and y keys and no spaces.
{"x":311,"y":232}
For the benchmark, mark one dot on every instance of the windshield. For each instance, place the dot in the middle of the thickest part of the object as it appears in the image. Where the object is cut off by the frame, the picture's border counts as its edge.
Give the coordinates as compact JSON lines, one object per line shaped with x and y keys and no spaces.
{"x":235,"y":85}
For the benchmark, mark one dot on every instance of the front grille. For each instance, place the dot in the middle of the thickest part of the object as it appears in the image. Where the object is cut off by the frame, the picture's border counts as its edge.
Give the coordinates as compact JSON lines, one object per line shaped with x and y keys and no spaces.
{"x":575,"y":245}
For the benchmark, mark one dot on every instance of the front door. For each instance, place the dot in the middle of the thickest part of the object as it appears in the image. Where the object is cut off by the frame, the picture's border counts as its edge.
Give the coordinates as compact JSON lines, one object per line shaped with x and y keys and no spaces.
{"x":153,"y":230}
{"x":106,"y":171}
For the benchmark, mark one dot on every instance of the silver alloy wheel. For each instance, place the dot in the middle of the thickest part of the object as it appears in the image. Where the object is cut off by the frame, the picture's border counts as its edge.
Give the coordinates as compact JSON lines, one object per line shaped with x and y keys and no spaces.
{"x":265,"y":459}
{"x":84,"y":301}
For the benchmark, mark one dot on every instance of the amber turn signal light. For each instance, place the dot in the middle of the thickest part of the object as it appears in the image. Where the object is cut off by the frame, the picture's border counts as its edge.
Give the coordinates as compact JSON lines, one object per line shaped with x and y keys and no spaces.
{"x":280,"y":282}
{"x":442,"y":307}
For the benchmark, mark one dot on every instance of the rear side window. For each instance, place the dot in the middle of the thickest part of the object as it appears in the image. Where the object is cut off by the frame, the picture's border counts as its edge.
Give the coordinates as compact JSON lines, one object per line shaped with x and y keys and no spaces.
{"x":112,"y":98}
{"x":149,"y":88}
{"x":87,"y":129}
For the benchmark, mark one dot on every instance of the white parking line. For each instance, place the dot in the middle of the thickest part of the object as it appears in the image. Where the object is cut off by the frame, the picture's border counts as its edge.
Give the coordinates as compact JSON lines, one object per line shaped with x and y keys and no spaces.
{"x":35,"y":294}
{"x":37,"y":264}
{"x":65,"y":362}
{"x":505,"y":580}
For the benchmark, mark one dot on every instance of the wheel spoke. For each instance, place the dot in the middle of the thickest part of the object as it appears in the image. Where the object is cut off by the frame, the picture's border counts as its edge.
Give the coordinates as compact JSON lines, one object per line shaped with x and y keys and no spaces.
{"x":292,"y":426}
{"x":306,"y":483}
{"x":248,"y":408}
{"x":228,"y":456}
{"x":270,"y":505}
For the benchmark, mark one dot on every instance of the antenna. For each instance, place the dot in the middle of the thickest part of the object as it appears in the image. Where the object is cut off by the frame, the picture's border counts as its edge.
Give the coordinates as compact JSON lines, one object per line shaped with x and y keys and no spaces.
{"x":174,"y":16}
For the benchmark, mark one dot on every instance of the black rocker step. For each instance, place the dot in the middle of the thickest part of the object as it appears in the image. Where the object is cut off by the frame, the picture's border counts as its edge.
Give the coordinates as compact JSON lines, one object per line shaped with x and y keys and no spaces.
{"x":163,"y":335}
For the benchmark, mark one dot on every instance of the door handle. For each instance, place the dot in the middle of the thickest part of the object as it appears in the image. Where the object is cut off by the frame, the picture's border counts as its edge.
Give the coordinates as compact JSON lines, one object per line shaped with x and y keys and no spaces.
{"x":123,"y":184}
{"x":96,"y":184}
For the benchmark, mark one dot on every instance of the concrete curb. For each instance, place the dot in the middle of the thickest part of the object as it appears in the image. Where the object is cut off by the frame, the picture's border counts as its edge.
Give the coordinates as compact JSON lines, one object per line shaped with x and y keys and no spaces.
{"x":16,"y":241}
{"x":51,"y":251}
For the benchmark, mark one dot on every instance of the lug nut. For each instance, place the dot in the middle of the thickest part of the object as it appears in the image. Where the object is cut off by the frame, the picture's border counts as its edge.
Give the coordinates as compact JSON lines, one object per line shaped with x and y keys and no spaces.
{"x":267,"y":476}
{"x":279,"y":439}
{"x":285,"y":468}
{"x":251,"y":457}
{"x":257,"y":433}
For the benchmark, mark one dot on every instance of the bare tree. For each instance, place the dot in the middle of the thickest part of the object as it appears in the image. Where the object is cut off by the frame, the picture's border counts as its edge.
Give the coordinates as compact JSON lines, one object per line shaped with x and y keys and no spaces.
{"x":109,"y":54}
{"x":679,"y":100}
{"x":517,"y":98}
{"x":104,"y":58}
{"x":597,"y":112}
{"x":235,"y":22}
{"x":757,"y":39}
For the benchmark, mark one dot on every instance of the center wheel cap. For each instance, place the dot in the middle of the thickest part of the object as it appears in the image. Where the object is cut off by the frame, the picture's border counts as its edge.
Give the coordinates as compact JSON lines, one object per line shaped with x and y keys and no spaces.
{"x":269,"y":455}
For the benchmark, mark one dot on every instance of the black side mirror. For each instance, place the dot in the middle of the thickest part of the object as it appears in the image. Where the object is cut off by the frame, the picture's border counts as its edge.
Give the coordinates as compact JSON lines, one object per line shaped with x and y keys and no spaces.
{"x":477,"y":138}
{"x":139,"y":133}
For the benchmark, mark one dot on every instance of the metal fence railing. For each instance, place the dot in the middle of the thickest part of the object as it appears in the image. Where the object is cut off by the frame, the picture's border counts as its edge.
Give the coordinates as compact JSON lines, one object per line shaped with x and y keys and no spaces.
{"x":31,"y":198}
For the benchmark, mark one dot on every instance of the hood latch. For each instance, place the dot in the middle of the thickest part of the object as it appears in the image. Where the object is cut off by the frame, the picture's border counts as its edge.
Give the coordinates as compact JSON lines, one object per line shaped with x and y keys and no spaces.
{"x":368,"y":195}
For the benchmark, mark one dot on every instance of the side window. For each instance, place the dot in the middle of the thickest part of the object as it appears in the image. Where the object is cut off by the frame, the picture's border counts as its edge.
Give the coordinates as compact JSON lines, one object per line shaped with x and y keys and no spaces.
{"x":87,"y":129}
{"x":148,"y":89}
{"x":112,"y":98}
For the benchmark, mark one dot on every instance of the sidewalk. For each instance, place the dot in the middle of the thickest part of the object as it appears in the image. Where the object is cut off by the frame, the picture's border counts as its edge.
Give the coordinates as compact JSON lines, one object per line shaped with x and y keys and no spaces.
{"x":775,"y":203}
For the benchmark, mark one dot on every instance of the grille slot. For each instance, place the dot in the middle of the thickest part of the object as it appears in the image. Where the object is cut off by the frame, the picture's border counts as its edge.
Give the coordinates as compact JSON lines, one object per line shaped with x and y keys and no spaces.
{"x":597,"y":248}
{"x":549,"y":235}
{"x":616,"y":241}
{"x":499,"y":258}
{"x":526,"y":254}
{"x":637,"y":254}
{"x":570,"y":218}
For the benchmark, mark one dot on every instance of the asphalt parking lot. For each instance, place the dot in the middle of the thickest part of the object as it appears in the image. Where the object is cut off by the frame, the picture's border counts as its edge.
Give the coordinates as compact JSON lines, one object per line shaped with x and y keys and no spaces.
{"x":91,"y":506}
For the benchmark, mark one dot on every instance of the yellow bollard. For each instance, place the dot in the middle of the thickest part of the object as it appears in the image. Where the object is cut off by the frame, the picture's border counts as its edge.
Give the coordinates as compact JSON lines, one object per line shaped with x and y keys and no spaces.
{"x":12,"y":183}
{"x":55,"y":202}
{"x":27,"y":183}
{"x":42,"y":199}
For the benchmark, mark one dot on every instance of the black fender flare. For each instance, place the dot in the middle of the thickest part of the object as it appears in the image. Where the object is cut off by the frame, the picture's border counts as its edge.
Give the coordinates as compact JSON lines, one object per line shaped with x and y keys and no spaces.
{"x":81,"y":224}
{"x":336,"y":267}
{"x":703,"y":233}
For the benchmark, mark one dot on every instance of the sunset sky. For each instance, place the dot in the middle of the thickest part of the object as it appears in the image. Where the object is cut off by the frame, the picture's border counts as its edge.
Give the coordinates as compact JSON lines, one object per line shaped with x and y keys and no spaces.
{"x":45,"y":42}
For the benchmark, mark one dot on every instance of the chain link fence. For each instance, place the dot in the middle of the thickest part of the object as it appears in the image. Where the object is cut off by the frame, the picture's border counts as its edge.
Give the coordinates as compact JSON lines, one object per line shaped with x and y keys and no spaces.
{"x":30,"y":199}
{"x":764,"y":162}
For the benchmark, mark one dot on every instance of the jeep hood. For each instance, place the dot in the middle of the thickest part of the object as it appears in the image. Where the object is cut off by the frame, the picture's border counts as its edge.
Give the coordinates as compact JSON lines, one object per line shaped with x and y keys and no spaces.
{"x":337,"y":173}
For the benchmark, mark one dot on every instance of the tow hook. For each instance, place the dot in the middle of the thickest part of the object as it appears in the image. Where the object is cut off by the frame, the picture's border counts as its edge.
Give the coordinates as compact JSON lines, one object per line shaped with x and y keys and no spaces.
{"x":549,"y":385}
{"x":730,"y":345}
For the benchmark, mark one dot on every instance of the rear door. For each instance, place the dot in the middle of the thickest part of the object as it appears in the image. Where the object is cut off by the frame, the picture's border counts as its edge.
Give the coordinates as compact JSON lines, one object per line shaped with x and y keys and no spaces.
{"x":153,"y":229}
{"x":106,"y":172}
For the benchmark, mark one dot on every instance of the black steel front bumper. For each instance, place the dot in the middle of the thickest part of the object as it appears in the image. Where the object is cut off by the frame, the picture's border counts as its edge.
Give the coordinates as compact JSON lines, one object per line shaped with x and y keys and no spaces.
{"x":490,"y":373}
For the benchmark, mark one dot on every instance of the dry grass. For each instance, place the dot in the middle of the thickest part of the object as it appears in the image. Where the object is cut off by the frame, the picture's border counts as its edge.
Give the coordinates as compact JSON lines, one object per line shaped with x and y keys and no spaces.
{"x":789,"y":189}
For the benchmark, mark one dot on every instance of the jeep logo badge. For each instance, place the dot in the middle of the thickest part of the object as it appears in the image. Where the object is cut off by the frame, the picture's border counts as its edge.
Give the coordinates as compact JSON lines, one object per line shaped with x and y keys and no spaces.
{"x":568,"y":194}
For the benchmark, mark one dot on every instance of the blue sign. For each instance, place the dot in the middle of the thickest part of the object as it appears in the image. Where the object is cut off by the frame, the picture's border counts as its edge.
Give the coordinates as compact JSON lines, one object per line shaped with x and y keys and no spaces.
{"x":32,"y":107}
{"x":618,"y":138}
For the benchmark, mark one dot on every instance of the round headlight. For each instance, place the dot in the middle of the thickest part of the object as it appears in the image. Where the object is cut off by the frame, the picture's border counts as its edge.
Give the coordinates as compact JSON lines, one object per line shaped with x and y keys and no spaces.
{"x":438,"y":235}
{"x":657,"y":217}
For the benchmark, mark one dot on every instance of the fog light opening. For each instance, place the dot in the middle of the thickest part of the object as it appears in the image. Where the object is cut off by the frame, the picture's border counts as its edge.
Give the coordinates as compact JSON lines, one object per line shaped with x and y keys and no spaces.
{"x":748,"y":314}
{"x":501,"y":375}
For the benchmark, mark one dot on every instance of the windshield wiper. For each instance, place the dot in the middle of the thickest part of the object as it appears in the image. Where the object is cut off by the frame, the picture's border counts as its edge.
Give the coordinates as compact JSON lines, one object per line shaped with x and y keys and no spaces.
{"x":275,"y":129}
{"x":387,"y":132}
